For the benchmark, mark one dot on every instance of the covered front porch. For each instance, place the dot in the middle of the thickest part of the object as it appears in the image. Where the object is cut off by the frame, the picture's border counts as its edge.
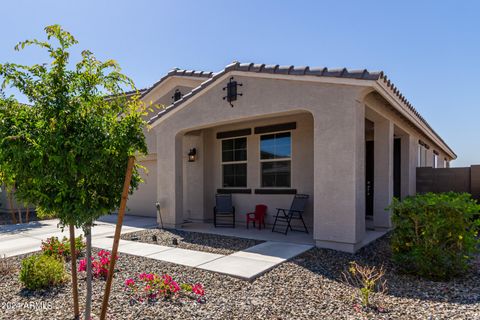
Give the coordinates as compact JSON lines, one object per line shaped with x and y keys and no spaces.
{"x":266,"y":161}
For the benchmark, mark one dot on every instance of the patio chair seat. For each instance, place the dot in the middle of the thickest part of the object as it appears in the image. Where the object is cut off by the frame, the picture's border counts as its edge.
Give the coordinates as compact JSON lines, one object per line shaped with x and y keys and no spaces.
{"x":285,"y":216}
{"x":257,"y":216}
{"x":223,"y":209}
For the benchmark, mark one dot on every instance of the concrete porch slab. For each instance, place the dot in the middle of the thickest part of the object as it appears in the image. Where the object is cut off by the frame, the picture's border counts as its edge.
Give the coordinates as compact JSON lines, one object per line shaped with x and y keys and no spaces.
{"x":240,"y":267}
{"x":185,"y":257}
{"x":273,"y":251}
{"x":255,"y":261}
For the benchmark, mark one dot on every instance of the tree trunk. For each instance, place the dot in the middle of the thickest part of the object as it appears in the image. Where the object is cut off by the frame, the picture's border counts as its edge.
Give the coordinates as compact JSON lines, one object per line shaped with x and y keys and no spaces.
{"x":19,"y":214}
{"x":88,"y":303}
{"x":76,"y":310}
{"x":27,"y":213}
{"x":12,"y":210}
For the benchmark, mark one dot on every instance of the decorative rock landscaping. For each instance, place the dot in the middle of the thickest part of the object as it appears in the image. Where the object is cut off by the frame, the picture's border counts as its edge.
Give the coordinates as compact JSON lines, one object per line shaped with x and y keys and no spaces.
{"x":191,"y":240}
{"x":308,"y":287}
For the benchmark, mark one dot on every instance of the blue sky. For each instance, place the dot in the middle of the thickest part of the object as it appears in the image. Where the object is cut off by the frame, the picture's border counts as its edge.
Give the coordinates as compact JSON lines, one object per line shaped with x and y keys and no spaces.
{"x":430,"y":49}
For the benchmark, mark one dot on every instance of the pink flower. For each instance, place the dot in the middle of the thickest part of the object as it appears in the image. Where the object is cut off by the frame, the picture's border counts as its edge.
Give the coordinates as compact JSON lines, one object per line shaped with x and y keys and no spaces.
{"x":198,"y":289}
{"x":129,"y":282}
{"x":104,"y":261}
{"x":82,"y":265}
{"x":167,"y":278}
{"x":174,"y":287}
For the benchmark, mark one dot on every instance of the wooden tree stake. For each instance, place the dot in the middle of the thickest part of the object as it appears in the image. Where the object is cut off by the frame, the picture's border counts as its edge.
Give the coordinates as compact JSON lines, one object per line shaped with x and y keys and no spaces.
{"x":76,"y":309}
{"x":116,"y":239}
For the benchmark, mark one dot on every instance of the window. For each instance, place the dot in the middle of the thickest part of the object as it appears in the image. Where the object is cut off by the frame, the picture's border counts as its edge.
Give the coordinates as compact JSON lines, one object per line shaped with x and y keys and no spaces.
{"x":275,"y":160}
{"x":234,"y":162}
{"x":435,"y":160}
{"x":422,"y":156}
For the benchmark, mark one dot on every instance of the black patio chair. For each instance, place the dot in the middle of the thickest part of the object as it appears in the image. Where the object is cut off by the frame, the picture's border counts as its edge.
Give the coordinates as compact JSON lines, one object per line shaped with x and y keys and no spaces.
{"x":285,"y":216}
{"x":223,"y":209}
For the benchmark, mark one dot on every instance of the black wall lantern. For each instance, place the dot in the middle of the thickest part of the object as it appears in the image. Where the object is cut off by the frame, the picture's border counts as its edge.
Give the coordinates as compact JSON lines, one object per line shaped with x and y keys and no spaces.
{"x":232,"y":91}
{"x":192,"y":155}
{"x":177,"y":95}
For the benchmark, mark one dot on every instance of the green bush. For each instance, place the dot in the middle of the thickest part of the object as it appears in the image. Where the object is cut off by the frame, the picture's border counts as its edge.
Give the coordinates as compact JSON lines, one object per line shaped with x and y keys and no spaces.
{"x":43,"y":214}
{"x":435,"y":235}
{"x":42,"y":271}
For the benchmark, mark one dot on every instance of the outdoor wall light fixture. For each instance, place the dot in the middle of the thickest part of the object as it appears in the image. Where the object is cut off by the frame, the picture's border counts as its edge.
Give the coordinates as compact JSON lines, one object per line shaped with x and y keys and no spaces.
{"x":192,"y":155}
{"x":232,"y":91}
{"x":177,"y":95}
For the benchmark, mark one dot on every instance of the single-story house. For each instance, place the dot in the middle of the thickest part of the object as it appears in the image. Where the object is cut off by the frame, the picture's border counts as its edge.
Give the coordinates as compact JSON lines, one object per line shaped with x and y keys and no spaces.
{"x":349,"y":139}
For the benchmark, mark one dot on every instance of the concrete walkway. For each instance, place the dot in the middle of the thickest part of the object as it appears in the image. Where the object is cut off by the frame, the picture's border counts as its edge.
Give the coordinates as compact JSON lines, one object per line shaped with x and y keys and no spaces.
{"x":246,"y":264}
{"x":25,"y":238}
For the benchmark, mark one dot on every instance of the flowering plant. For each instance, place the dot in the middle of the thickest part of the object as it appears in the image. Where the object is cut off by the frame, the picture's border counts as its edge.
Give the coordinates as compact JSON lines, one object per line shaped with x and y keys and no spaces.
{"x":151,"y":287}
{"x":54,"y":247}
{"x":100,"y":264}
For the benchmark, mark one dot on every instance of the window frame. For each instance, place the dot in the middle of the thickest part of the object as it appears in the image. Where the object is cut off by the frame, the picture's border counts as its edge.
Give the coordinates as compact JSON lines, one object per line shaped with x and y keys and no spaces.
{"x":261,"y":161}
{"x":422,"y":156}
{"x":222,"y":163}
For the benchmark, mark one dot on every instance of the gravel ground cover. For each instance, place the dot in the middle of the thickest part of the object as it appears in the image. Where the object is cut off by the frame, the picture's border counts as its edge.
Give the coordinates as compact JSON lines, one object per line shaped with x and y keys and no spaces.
{"x":307,"y":287}
{"x":192,"y":240}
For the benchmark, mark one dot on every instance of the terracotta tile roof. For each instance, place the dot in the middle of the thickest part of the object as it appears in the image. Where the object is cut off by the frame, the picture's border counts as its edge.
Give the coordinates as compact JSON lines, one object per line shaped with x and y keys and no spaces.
{"x":290,"y":70}
{"x":180,"y":73}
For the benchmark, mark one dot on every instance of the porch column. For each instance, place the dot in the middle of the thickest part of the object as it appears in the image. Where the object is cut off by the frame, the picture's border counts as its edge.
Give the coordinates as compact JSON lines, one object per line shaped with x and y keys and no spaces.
{"x":170,"y":177}
{"x":409,"y":165}
{"x":339,"y":176}
{"x":383,"y":173}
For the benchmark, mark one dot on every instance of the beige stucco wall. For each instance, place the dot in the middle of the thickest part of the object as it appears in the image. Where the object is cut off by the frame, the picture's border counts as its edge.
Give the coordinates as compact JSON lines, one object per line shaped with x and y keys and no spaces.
{"x":199,"y":205}
{"x":142,"y":202}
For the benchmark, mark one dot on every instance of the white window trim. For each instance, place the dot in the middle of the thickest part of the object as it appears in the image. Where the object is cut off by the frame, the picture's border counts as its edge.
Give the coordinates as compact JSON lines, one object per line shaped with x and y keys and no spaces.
{"x":222,"y":163}
{"x":274,"y":160}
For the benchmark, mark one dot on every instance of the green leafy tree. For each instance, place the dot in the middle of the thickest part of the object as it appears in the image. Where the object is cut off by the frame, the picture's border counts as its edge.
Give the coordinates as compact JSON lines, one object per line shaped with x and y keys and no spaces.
{"x":69,"y":148}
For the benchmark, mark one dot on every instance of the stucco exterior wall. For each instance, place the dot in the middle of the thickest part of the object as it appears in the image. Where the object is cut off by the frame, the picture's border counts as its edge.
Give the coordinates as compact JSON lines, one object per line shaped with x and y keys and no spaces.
{"x":142,"y":201}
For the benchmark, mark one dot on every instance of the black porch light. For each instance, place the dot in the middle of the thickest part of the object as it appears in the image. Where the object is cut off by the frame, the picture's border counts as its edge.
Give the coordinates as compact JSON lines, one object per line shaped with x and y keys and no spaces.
{"x":232,"y":91}
{"x":192,"y":155}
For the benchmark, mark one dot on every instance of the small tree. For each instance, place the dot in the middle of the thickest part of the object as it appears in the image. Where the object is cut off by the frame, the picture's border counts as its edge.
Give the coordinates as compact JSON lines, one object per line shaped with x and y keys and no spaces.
{"x":69,"y":148}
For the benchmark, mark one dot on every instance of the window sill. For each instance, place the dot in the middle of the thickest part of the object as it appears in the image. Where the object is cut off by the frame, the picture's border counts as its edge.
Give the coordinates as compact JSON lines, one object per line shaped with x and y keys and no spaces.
{"x":232,"y":191}
{"x":275,"y":191}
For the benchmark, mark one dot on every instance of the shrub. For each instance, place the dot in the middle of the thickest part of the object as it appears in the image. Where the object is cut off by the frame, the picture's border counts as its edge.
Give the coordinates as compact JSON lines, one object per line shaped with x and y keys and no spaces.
{"x":151,"y":287}
{"x":367,"y":280}
{"x":435,"y":235}
{"x":100,"y":265}
{"x":42,"y":271}
{"x":54,"y":247}
{"x":43,"y":214}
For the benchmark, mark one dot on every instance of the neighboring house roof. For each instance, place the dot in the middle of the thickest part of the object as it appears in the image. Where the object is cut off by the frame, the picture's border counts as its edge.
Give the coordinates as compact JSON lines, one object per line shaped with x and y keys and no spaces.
{"x":364,"y":74}
{"x":180,"y":73}
{"x":127,"y":93}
